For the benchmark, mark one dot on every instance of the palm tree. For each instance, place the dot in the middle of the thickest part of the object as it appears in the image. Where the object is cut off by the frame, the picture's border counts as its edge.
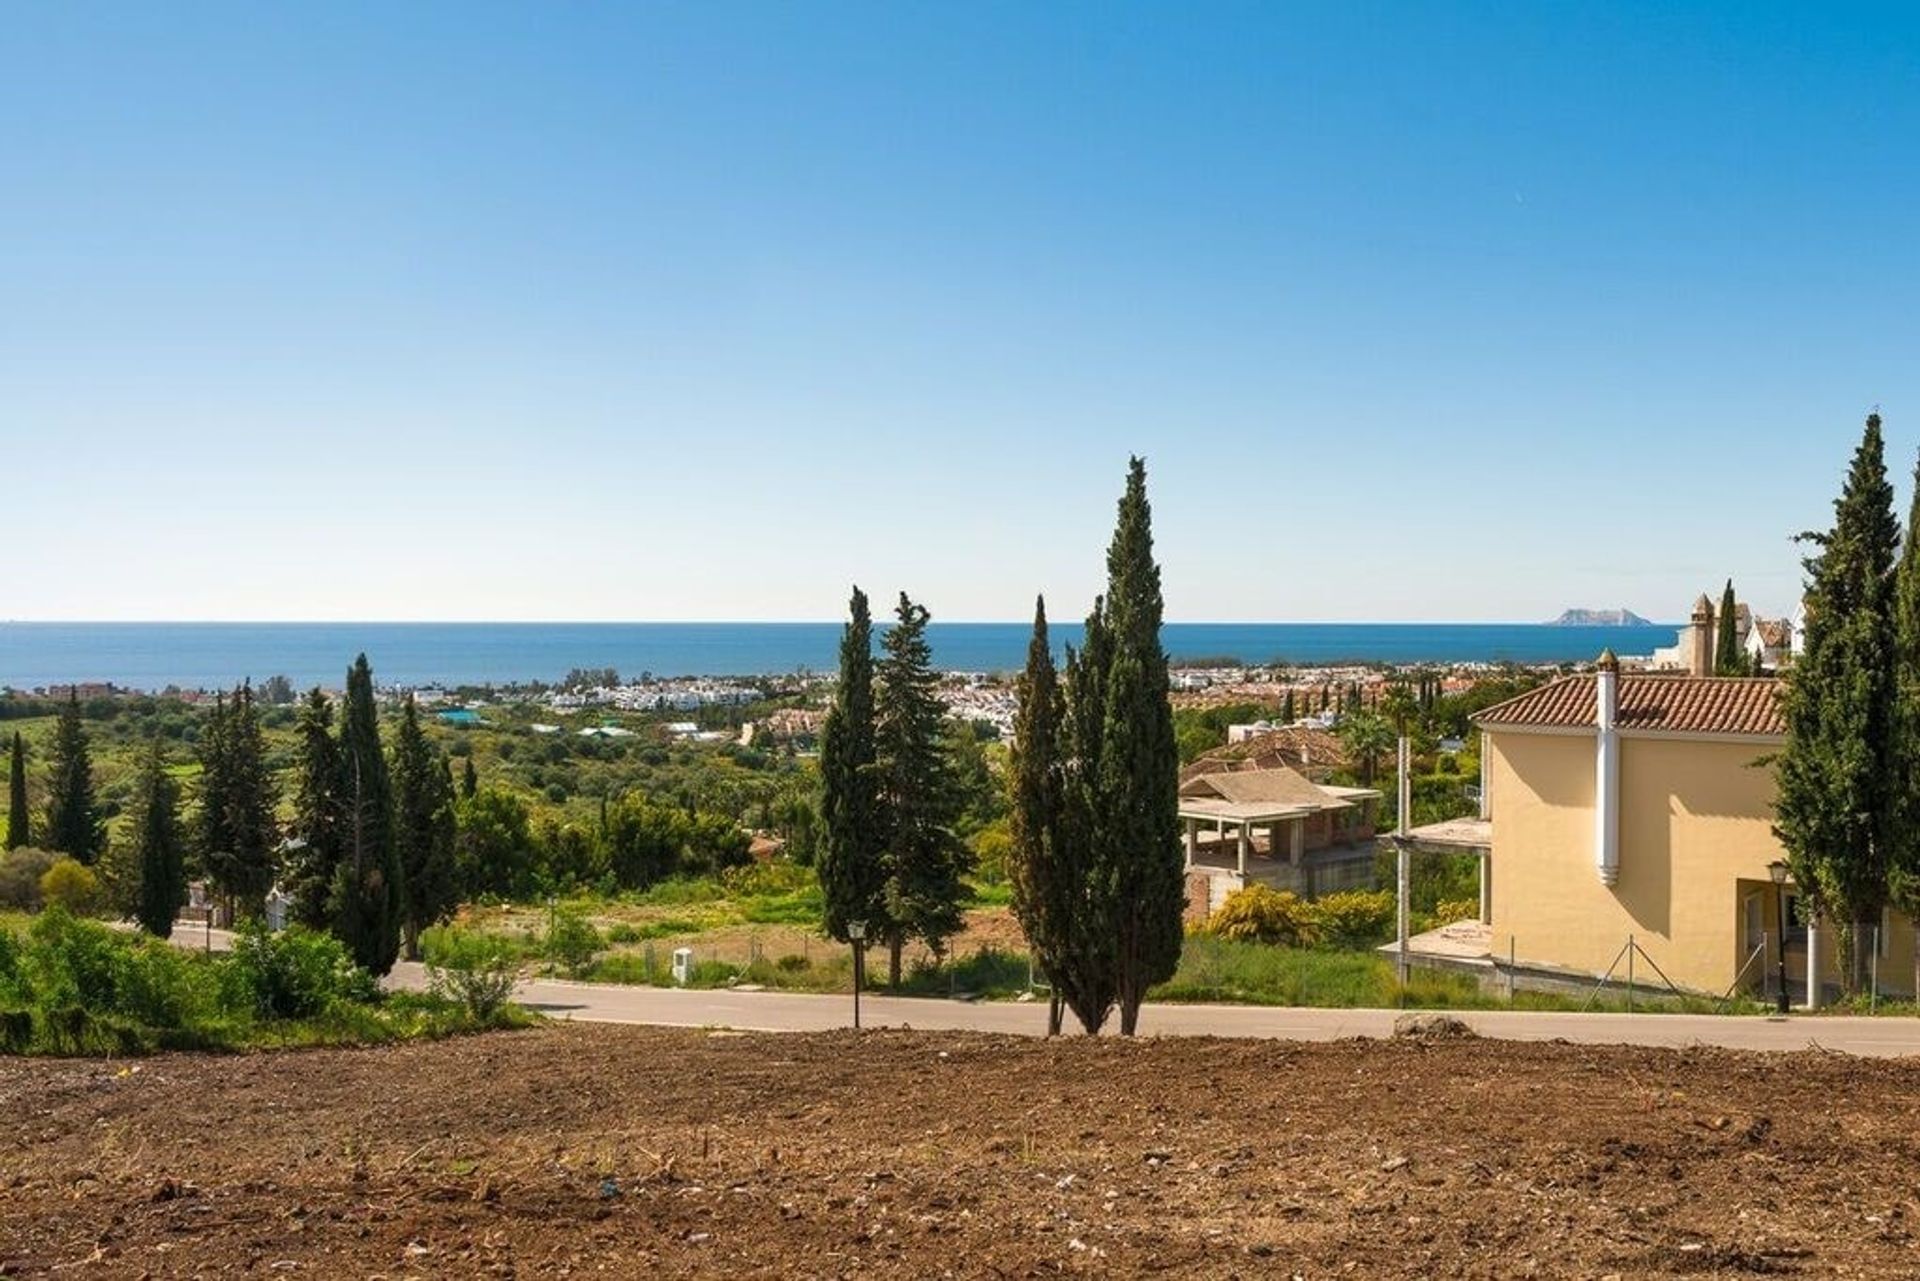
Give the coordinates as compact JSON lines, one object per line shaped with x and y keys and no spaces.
{"x":1367,"y":737}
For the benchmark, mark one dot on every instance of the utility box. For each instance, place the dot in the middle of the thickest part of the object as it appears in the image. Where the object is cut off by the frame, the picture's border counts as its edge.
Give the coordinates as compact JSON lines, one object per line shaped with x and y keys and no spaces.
{"x":682,"y":964}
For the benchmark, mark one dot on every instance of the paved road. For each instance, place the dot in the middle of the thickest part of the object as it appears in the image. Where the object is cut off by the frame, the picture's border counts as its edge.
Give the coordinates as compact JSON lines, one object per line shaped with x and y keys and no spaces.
{"x":795,"y":1012}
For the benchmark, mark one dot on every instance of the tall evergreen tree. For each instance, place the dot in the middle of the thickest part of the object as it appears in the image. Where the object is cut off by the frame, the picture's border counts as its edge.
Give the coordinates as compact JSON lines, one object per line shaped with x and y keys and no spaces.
{"x":19,"y":814}
{"x":1901,"y":831}
{"x":319,"y":816}
{"x":238,"y":837}
{"x":469,"y":780}
{"x":368,"y":894}
{"x":74,"y":824}
{"x":423,"y":830}
{"x":1087,"y":974}
{"x":1041,"y":868}
{"x":159,"y":848}
{"x":1288,"y":713}
{"x":1836,"y":777}
{"x":851,"y":865}
{"x":1728,"y":658}
{"x":1136,"y":845}
{"x":924,"y":860}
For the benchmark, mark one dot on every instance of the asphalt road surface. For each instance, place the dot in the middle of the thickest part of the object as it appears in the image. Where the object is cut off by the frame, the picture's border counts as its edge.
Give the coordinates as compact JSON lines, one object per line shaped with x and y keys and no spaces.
{"x":797,"y":1012}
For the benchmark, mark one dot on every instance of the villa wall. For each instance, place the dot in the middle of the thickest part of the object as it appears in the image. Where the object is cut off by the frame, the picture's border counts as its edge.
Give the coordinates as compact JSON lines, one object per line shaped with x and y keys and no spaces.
{"x":1695,"y":822}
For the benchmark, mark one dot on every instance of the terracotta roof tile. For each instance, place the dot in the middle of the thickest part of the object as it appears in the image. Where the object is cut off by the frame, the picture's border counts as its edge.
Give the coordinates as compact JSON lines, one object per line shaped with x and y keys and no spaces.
{"x":1678,"y":704}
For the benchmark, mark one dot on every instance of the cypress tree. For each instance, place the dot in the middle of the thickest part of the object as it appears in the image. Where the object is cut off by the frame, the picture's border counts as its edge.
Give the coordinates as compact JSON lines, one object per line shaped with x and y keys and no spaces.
{"x":469,"y":780}
{"x":1836,"y":773}
{"x":159,"y":853}
{"x":1901,"y":830}
{"x":1041,"y":867}
{"x":1728,"y":658}
{"x":19,"y":816}
{"x":918,"y":794}
{"x":238,"y":835}
{"x":1287,"y":713}
{"x":422,"y":830}
{"x":1086,"y":974}
{"x":319,"y":815}
{"x":74,"y":824}
{"x":368,"y":895}
{"x":851,"y":869}
{"x":1135,"y":848}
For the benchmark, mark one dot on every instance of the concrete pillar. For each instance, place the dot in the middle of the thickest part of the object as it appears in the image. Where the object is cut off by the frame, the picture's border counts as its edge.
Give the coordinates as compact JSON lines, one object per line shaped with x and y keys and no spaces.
{"x":1486,"y":887}
{"x":1814,"y":941}
{"x":1405,"y":793}
{"x":1403,"y":893}
{"x":1193,"y":840}
{"x":1486,"y":802}
{"x":1242,"y":849}
{"x":1297,"y":839}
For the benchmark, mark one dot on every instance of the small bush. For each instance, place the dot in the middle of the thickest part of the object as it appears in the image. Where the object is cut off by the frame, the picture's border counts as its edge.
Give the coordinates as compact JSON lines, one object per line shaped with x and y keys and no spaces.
{"x":71,"y":884}
{"x":475,"y":971}
{"x":1354,"y":918}
{"x":1262,"y":914}
{"x":20,"y":873}
{"x":296,"y":973}
{"x":1462,"y":909}
{"x":572,"y":942}
{"x":623,"y":932}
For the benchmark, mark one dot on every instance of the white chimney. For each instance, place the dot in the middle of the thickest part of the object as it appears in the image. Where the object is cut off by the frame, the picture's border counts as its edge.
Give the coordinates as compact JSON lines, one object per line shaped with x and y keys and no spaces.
{"x":1606,"y":770}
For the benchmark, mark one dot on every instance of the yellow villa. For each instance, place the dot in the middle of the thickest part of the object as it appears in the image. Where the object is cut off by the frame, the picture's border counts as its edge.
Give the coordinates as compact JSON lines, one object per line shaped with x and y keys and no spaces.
{"x":1634,"y":806}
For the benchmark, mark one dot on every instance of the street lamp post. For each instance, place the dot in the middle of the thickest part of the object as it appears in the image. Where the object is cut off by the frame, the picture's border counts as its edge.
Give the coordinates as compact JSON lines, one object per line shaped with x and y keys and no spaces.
{"x":857,"y":935}
{"x":1778,"y":871}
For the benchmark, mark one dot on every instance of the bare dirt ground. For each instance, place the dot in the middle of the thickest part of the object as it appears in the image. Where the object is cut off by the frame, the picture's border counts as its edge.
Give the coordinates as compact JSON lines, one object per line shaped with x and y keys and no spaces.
{"x":634,"y":1151}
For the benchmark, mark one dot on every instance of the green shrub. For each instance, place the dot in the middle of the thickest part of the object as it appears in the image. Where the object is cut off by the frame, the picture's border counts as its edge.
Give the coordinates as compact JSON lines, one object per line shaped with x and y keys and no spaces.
{"x":623,"y":932}
{"x":71,"y":884}
{"x":1353,"y":918}
{"x":1451,"y":910}
{"x":572,"y":942}
{"x":475,"y":971}
{"x":20,"y":873}
{"x":1262,"y":914}
{"x":296,"y":973}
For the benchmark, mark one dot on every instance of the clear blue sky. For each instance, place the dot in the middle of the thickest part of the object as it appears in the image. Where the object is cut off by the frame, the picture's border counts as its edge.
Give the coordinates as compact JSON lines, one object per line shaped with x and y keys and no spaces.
{"x":706,"y":310}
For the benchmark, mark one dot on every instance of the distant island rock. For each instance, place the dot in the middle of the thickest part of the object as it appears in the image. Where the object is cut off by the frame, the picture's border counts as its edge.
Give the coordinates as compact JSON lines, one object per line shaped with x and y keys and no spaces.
{"x":1599,"y":618}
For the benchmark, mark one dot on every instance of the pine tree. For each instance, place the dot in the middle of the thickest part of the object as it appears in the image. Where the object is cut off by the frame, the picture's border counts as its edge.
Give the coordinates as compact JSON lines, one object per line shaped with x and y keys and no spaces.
{"x":924,"y":859}
{"x":159,"y":849}
{"x":319,"y":816}
{"x":1837,"y":788}
{"x":74,"y":824}
{"x":422,"y":830}
{"x":1041,"y":868}
{"x":19,"y":816}
{"x":1728,"y":658}
{"x":469,"y":780}
{"x":368,"y":895}
{"x":238,"y":837}
{"x":851,"y":867}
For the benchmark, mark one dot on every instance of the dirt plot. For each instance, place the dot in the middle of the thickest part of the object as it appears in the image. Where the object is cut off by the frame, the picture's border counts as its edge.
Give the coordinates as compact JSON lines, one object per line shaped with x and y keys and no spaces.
{"x":630,"y":1151}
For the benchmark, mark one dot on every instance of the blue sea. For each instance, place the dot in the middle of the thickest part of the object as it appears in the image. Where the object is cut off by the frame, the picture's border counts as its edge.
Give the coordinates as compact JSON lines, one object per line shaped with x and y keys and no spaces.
{"x":153,"y":656}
